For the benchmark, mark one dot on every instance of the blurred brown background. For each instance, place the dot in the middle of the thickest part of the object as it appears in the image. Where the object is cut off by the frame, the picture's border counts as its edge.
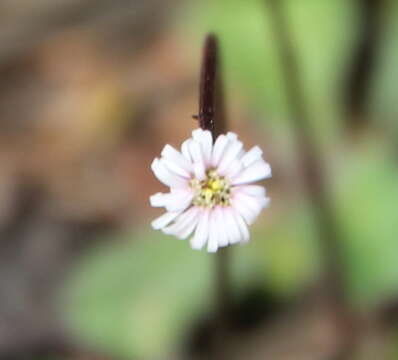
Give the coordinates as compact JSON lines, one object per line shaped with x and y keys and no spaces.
{"x":91,"y":90}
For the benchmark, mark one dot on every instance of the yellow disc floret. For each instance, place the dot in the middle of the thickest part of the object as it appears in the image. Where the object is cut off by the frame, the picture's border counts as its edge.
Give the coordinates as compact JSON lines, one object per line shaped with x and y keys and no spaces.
{"x":212,"y":191}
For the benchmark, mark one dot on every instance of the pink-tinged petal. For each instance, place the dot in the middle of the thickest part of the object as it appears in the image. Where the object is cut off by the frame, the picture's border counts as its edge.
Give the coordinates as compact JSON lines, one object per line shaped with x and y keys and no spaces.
{"x":257,"y":171}
{"x":174,"y":156}
{"x":264,"y":202}
{"x":234,"y":169}
{"x":240,"y":154}
{"x":195,"y":150}
{"x":178,"y":223}
{"x":166,"y":176}
{"x":178,"y":199}
{"x":241,"y":197}
{"x":219,"y":221}
{"x":244,"y":231}
{"x":254,"y":154}
{"x":185,"y":150}
{"x":212,"y":244}
{"x":218,"y":149}
{"x":230,"y":154}
{"x":202,"y":231}
{"x":187,"y":231}
{"x":232,"y":136}
{"x":247,"y":213}
{"x":164,"y":220}
{"x":205,"y":139}
{"x":190,"y":225}
{"x":199,"y":171}
{"x":251,"y":190}
{"x":184,"y":224}
{"x":175,"y":168}
{"x":231,"y":226}
{"x":248,"y":206}
{"x":158,"y":199}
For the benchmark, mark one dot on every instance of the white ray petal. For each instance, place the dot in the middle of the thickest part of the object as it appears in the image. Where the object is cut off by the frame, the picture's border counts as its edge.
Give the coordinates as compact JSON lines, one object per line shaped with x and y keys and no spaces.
{"x":265,"y":202}
{"x":257,"y":171}
{"x":189,"y":228}
{"x":248,"y":206}
{"x":166,"y":176}
{"x":173,"y":155}
{"x":218,"y":150}
{"x":158,"y":199}
{"x":190,"y":224}
{"x":175,"y":168}
{"x":202,"y":231}
{"x":164,"y":220}
{"x":219,"y":220}
{"x":240,"y":155}
{"x":247,"y":213}
{"x":232,"y":136}
{"x":234,"y":168}
{"x":199,"y":171}
{"x":212,"y":244}
{"x":184,"y":224}
{"x":229,"y":155}
{"x":195,"y":150}
{"x":185,"y":150}
{"x":244,"y":231}
{"x":252,"y":156}
{"x":252,"y":190}
{"x":178,"y":200}
{"x":230,"y":226}
{"x":177,"y":224}
{"x":205,"y":139}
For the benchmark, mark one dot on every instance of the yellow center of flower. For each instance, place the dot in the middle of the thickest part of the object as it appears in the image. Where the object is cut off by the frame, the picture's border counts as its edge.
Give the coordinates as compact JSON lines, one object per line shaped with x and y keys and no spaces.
{"x":212,"y":191}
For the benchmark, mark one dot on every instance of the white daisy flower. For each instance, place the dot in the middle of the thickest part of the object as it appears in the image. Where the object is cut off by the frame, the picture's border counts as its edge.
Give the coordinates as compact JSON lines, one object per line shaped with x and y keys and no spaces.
{"x":211,"y":193}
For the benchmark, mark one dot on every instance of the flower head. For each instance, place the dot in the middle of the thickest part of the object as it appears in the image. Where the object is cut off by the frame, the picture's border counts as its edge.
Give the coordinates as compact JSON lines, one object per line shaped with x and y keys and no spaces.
{"x":211,"y":193}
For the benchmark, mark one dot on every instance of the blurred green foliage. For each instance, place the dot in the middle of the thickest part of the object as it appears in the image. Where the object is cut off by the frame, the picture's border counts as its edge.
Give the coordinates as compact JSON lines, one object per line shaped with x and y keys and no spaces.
{"x":384,"y":104}
{"x":134,"y":297}
{"x":140,"y":295}
{"x":366,"y":207}
{"x":322,"y":33}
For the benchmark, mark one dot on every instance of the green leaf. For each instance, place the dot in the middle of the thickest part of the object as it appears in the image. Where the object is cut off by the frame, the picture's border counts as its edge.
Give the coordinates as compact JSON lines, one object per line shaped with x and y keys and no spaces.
{"x":366,"y":199}
{"x":138,"y":296}
{"x":134,"y":298}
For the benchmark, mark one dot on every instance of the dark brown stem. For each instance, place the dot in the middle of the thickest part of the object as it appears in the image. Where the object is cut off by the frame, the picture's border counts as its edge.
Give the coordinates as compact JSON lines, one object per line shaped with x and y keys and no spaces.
{"x":310,"y":163}
{"x":212,"y":117}
{"x":207,"y":85}
{"x":211,"y":102}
